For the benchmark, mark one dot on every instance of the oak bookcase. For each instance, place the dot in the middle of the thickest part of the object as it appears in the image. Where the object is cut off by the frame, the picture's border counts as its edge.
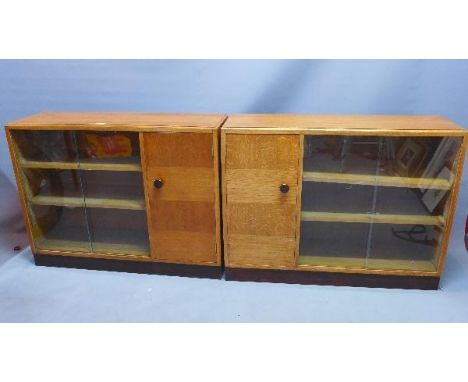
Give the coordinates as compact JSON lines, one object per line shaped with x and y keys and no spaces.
{"x":135,"y":192}
{"x":343,"y":200}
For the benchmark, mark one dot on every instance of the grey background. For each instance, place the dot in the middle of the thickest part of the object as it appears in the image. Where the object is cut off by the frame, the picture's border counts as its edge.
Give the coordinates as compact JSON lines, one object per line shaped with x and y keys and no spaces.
{"x":29,"y":293}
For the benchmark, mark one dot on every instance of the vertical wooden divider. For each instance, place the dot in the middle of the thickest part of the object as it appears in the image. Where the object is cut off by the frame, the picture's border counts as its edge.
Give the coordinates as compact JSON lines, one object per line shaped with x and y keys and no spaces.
{"x":300,"y":166}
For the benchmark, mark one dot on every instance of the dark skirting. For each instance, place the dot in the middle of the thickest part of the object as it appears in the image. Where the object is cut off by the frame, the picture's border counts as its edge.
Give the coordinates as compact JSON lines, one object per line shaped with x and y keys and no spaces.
{"x":200,"y":271}
{"x":331,"y":278}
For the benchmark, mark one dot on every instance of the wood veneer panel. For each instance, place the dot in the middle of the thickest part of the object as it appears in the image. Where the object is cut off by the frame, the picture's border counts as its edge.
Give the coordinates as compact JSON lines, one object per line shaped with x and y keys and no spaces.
{"x":260,"y":186}
{"x":181,"y":214}
{"x":90,"y":202}
{"x":181,"y":150}
{"x":119,"y":120}
{"x":338,"y":217}
{"x":328,"y":261}
{"x":182,"y":183}
{"x":310,"y":121}
{"x":255,"y":219}
{"x":260,"y":221}
{"x":261,"y":152}
{"x":245,"y":250}
{"x":377,"y":180}
{"x":83,"y":246}
{"x":185,"y":247}
{"x":83,"y":165}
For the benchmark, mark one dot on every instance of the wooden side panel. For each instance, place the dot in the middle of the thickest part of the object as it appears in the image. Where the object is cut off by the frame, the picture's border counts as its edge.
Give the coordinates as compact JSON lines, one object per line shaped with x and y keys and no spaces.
{"x":182,"y":217}
{"x":260,"y":220}
{"x":21,"y":190}
{"x":452,"y":205}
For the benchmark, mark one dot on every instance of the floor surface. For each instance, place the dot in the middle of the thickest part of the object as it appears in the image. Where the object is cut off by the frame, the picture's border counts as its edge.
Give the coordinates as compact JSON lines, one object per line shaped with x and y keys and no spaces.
{"x":43,"y":294}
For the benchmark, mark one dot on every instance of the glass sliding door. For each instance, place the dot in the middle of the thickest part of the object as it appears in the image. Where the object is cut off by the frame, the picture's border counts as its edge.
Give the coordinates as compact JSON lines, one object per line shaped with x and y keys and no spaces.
{"x":375,"y":202}
{"x":52,"y":184}
{"x":113,"y":191}
{"x":84,"y":190}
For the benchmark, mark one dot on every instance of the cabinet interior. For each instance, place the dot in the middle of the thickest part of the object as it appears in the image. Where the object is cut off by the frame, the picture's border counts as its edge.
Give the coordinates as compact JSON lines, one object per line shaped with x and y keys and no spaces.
{"x":84,"y":190}
{"x":375,"y":202}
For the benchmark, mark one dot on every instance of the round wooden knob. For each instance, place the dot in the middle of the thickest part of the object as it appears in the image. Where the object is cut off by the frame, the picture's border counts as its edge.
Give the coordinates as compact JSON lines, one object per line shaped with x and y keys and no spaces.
{"x":158,"y":183}
{"x":284,"y":188}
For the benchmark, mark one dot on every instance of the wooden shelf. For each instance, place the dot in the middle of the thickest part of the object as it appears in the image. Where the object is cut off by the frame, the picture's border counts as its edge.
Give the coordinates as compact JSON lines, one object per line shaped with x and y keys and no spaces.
{"x":363,"y":263}
{"x":377,"y":180}
{"x":372,"y":218}
{"x":97,"y":247}
{"x":67,"y":201}
{"x":83,"y":165}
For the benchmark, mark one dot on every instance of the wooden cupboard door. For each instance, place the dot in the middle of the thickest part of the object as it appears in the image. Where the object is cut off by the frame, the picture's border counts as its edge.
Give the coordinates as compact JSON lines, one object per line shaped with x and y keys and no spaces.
{"x":182,"y":214}
{"x":261,"y":220}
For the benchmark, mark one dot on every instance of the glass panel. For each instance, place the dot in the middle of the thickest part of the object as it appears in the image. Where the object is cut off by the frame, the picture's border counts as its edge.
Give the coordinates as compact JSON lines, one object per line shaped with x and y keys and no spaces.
{"x":387,"y":195}
{"x":46,"y":146}
{"x":331,"y":154}
{"x":84,"y":190}
{"x":335,"y":197}
{"x":125,"y":186}
{"x":60,"y":228}
{"x":53,"y":189}
{"x":119,"y":231}
{"x":109,"y":150}
{"x":403,"y":246}
{"x":113,"y":191}
{"x":333,"y":244}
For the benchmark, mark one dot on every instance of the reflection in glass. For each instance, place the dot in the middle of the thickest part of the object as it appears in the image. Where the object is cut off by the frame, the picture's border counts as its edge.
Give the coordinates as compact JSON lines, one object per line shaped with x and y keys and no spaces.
{"x":381,"y":201}
{"x":84,"y":190}
{"x":46,"y":146}
{"x":60,"y":228}
{"x":108,"y":147}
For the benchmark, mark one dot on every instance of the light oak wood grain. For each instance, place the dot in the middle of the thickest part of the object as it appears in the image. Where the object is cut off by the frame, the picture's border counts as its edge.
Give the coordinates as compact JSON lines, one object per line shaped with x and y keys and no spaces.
{"x":184,"y":150}
{"x":338,"y":217}
{"x":182,"y":183}
{"x":377,"y":180}
{"x":460,"y":162}
{"x":20,"y":182}
{"x":304,"y":122}
{"x":85,"y":246}
{"x":238,"y":167}
{"x":119,"y":121}
{"x":114,"y":256}
{"x":256,"y":219}
{"x":185,"y":247}
{"x":260,"y":220}
{"x":352,"y":262}
{"x":262,"y":152}
{"x":217,"y":187}
{"x":89,"y":202}
{"x":347,"y":132}
{"x":81,"y":166}
{"x":299,"y":196}
{"x":261,"y":186}
{"x":181,"y":214}
{"x":352,"y":268}
{"x":255,"y":250}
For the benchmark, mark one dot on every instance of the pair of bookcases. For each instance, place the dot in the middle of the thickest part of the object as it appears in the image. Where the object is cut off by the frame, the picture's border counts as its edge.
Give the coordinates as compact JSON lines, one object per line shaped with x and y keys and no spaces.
{"x":343,"y":200}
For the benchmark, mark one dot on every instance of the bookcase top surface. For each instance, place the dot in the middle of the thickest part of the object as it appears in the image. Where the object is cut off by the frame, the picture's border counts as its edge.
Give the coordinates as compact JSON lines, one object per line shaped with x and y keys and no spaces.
{"x":93,"y":120}
{"x":341,"y":122}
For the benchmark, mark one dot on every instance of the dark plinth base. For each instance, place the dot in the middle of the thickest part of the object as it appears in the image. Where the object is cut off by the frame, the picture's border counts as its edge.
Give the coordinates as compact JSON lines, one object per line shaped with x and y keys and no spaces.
{"x":329,"y":278}
{"x":201,"y":271}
